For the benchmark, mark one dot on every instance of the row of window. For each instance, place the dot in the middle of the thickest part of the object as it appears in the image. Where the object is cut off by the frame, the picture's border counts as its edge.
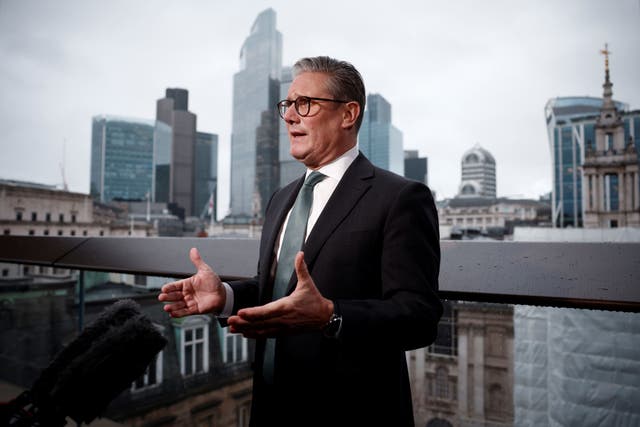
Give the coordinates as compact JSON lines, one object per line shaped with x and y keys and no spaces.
{"x":7,"y":232}
{"x":37,"y":269}
{"x":194,"y":353}
{"x":470,"y":221}
{"x":47,"y":216}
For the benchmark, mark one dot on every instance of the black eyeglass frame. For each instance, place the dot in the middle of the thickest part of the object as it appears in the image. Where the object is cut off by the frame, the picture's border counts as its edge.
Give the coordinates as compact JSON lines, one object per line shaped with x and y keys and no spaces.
{"x":285,"y":102}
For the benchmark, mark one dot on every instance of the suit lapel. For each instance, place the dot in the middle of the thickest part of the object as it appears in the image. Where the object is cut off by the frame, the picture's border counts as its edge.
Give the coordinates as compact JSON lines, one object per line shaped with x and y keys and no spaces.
{"x":282,"y":205}
{"x":354,"y":184}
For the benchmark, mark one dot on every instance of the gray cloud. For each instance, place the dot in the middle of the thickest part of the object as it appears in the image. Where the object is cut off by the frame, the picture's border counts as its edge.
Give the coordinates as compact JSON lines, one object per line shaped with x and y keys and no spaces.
{"x":456,"y":73}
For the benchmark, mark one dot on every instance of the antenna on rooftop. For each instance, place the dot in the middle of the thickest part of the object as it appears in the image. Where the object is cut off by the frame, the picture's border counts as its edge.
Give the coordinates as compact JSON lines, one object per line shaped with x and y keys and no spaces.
{"x":65,"y":187}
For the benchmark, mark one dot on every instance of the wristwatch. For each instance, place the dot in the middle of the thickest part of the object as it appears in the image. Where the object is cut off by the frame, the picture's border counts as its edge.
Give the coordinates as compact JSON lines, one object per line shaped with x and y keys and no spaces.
{"x":332,"y":327}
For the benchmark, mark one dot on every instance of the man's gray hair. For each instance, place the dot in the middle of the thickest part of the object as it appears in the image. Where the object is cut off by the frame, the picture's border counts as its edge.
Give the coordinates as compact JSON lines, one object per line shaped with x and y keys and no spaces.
{"x":345,"y":81}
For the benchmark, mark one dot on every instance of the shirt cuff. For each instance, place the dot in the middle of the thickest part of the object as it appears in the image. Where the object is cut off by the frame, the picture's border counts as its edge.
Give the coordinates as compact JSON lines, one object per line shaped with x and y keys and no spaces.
{"x":228,"y":305}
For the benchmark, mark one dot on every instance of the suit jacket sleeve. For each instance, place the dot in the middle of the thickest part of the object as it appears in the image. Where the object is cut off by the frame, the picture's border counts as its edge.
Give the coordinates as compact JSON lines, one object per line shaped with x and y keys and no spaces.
{"x":407,"y":313}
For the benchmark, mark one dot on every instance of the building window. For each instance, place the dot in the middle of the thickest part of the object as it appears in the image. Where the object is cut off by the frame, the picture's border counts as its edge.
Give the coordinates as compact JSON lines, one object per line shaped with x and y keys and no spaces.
{"x":497,"y":399}
{"x":47,"y":217}
{"x":32,"y":232}
{"x":194,"y":348}
{"x":34,"y":216}
{"x":234,"y":347}
{"x":244,"y":411}
{"x":611,"y":196}
{"x":73,"y":232}
{"x":18,"y":215}
{"x":46,"y":232}
{"x":84,"y":232}
{"x":73,"y":217}
{"x":5,"y":272}
{"x":7,"y":231}
{"x":102,"y":232}
{"x":608,"y":141}
{"x":439,"y":422}
{"x":61,"y":218}
{"x":59,"y":232}
{"x":442,"y":383}
{"x":152,"y":375}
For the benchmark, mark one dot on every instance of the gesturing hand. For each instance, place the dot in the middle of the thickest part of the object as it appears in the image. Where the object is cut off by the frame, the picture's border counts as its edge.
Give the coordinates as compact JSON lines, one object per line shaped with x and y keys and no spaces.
{"x":304,"y":310}
{"x":201,"y":293}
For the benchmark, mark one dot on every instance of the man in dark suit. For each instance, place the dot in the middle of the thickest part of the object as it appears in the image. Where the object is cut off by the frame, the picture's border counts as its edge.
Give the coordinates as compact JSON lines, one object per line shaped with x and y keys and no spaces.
{"x":331,"y":336}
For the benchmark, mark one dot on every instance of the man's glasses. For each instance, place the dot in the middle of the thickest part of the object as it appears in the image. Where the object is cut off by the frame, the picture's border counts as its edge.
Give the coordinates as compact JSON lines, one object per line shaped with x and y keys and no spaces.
{"x":302,"y":104}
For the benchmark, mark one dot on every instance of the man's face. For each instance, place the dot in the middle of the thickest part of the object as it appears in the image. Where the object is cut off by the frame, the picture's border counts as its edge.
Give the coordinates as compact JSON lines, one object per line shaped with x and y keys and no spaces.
{"x":320,"y":137}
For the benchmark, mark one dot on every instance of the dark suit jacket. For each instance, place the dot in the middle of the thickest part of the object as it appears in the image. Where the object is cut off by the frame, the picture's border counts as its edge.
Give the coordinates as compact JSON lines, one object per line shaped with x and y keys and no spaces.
{"x":375,"y":252}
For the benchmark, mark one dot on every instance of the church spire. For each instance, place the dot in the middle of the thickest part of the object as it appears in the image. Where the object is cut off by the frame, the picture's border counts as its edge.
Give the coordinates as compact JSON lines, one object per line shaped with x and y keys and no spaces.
{"x":608,"y":92}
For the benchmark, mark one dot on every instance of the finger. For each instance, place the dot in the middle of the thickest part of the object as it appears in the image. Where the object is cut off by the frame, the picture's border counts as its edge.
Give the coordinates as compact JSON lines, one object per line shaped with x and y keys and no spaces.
{"x":263,"y":312}
{"x":180,"y":313}
{"x":302,"y":272}
{"x":174,"y":307}
{"x":170,"y":296}
{"x":254,"y":329}
{"x":172,"y":287}
{"x":197,"y":261}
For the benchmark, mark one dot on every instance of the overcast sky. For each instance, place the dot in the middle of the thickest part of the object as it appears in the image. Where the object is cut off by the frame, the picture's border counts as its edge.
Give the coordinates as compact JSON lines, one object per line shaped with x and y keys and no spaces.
{"x":457,"y":73}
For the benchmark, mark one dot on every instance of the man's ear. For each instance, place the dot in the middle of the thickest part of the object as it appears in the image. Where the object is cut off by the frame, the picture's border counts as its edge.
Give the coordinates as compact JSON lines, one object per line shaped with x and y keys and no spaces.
{"x":350,"y":114}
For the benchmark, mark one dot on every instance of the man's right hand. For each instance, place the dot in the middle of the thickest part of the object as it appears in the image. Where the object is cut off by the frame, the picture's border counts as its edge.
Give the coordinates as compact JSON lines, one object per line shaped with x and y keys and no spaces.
{"x":201,"y":293}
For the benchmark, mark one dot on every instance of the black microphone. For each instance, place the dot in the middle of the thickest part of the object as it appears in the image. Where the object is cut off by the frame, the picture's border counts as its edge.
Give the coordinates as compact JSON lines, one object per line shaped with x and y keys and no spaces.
{"x":91,"y":371}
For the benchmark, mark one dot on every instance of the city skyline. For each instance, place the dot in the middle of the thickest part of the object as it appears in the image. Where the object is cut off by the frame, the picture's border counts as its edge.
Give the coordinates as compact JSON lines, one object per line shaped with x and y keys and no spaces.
{"x":456,"y":75}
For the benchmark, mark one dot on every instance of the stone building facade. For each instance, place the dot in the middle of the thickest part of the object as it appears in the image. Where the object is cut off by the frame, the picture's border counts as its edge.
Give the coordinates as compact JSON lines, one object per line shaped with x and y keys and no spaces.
{"x":466,"y":377}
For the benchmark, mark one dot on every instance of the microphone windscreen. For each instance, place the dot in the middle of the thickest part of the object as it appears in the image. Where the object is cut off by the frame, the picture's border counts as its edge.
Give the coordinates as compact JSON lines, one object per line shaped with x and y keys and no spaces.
{"x":102,"y":362}
{"x":112,"y":316}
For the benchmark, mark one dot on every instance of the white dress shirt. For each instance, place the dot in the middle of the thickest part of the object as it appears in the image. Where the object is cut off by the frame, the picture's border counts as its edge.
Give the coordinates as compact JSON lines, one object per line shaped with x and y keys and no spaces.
{"x":321,"y":194}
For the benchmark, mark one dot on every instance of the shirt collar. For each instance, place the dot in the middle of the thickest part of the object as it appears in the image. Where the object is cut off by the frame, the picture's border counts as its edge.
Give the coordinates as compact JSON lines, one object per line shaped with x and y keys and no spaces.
{"x":339,"y":166}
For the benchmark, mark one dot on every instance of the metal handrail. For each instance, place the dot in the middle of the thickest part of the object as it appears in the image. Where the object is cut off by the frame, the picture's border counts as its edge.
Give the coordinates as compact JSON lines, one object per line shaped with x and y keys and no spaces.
{"x":579,"y":275}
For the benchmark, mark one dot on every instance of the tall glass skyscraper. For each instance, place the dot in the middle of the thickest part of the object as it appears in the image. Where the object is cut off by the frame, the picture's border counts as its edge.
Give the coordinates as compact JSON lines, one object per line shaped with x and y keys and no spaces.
{"x":571,"y":127}
{"x":122,"y":157}
{"x":254,"y":133}
{"x":379,"y":139}
{"x":206,"y":173}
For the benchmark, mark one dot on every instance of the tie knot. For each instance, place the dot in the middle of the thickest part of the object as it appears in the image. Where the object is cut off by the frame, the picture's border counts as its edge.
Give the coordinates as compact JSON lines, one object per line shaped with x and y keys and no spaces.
{"x":314,"y":178}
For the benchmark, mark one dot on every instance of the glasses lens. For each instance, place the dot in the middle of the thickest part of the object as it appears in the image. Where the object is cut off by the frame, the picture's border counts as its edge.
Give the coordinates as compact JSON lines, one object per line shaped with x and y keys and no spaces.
{"x":282,"y":107}
{"x":303,"y":104}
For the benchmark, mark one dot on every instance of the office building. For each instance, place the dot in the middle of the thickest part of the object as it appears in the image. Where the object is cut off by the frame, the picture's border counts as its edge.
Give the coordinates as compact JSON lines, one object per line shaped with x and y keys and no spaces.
{"x":162,"y":155}
{"x":254,"y":132}
{"x":478,"y":174}
{"x":206,"y":174}
{"x":122,"y":158}
{"x":173,"y":110}
{"x":379,"y":139}
{"x":415,"y":167}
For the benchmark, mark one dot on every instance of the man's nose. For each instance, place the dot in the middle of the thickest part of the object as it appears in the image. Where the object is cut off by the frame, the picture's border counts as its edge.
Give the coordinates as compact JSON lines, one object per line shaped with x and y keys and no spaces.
{"x":291,"y":115}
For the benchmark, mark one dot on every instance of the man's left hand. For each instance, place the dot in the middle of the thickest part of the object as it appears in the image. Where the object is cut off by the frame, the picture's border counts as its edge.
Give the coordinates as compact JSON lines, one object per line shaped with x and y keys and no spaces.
{"x":303,"y":311}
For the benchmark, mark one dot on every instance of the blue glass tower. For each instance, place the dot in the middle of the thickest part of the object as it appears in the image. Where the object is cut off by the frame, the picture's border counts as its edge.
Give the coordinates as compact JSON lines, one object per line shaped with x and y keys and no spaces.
{"x":379,"y":139}
{"x":206,"y":173}
{"x":121,"y":158}
{"x":254,"y":131}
